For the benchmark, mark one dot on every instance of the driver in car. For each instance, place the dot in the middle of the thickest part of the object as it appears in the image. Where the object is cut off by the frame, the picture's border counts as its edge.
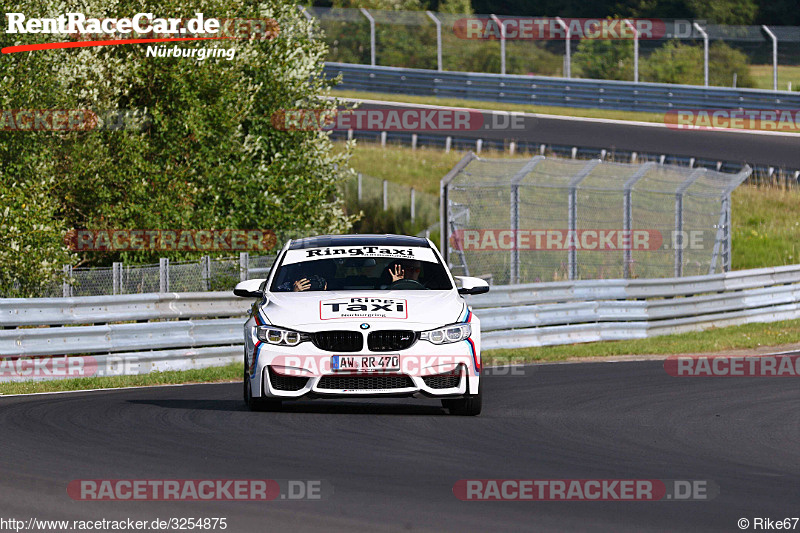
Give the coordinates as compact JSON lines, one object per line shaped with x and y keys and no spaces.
{"x":405,"y":270}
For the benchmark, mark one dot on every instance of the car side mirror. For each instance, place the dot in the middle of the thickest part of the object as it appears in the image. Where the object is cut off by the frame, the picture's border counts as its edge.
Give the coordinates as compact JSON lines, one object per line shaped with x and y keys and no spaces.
{"x":470,"y":285}
{"x":250,"y":288}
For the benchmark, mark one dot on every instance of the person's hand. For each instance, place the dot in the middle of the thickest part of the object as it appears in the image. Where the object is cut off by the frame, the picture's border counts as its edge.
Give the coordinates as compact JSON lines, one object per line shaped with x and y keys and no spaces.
{"x":396,"y":273}
{"x":301,"y":285}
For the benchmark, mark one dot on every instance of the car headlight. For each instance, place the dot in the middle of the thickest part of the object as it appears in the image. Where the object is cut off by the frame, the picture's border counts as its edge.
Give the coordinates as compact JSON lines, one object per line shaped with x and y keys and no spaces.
{"x":280,"y":336}
{"x":447,"y":334}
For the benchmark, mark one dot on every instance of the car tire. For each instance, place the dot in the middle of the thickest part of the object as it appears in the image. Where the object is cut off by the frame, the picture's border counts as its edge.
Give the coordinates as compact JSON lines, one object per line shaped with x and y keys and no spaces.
{"x":469,"y":405}
{"x":258,"y":404}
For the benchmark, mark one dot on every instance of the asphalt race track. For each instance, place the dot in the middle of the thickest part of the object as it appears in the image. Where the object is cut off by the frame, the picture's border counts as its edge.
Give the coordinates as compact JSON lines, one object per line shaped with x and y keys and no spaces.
{"x":392,"y":464}
{"x":781,"y":151}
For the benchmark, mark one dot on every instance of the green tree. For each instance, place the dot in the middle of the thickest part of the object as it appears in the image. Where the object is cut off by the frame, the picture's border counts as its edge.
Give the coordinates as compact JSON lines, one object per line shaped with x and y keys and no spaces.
{"x":208,"y":156}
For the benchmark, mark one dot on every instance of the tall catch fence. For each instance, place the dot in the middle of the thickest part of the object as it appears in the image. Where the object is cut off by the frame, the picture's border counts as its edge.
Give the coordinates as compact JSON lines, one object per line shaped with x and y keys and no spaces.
{"x":547,"y":219}
{"x":551,"y":46}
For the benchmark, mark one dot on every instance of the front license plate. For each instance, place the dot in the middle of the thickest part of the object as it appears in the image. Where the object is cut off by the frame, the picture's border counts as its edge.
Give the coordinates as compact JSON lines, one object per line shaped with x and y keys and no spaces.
{"x":365,"y":363}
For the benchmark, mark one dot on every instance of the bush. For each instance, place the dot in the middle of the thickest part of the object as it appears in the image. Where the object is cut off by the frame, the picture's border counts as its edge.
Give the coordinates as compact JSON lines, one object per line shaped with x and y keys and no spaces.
{"x":676,"y":62}
{"x":604,"y":59}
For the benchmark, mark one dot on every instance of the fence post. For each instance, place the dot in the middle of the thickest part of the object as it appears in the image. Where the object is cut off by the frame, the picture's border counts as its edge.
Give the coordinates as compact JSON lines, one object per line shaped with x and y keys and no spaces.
{"x":438,"y":40}
{"x":385,"y":195}
{"x":163,"y":274}
{"x":371,"y":35}
{"x":444,"y":234}
{"x":205,"y":269}
{"x":567,"y":56}
{"x":627,"y":220}
{"x":66,"y":286}
{"x":682,"y":188}
{"x":360,"y":186}
{"x":774,"y":57}
{"x":413,"y":204}
{"x":502,"y":43}
{"x":383,"y":139}
{"x":705,"y":51}
{"x":413,"y":141}
{"x":244,"y":265}
{"x":447,"y":142}
{"x":576,"y":180}
{"x":635,"y":50}
{"x":516,"y":179}
{"x":116,"y":275}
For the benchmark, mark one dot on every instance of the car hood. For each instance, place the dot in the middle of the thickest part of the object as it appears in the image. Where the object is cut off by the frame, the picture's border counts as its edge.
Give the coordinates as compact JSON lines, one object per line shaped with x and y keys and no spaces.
{"x":318,"y":311}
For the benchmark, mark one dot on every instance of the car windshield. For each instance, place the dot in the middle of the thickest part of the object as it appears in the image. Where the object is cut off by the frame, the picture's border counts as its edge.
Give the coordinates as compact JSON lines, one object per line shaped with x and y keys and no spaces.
{"x":361,"y":273}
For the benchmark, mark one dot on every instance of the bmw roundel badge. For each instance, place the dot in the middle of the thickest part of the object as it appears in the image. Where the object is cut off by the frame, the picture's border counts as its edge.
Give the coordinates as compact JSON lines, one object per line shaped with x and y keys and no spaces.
{"x":365,"y":326}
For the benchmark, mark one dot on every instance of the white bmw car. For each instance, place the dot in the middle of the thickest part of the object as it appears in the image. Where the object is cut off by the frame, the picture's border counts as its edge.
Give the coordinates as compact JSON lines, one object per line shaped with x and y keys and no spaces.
{"x":362,"y":316}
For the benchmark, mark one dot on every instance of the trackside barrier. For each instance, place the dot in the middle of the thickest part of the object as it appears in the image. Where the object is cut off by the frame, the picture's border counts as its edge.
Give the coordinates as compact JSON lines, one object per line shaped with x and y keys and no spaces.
{"x":568,"y":92}
{"x":181,"y":331}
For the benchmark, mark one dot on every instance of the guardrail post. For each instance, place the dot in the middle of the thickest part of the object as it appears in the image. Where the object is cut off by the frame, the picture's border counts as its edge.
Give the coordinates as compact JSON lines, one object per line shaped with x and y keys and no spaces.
{"x":682,"y":188}
{"x":66,"y":286}
{"x":567,"y":55}
{"x":514,"y":263}
{"x":705,"y":52}
{"x":371,"y":35}
{"x":413,"y":203}
{"x":774,"y":57}
{"x":438,"y":40}
{"x":116,"y":277}
{"x":163,"y":274}
{"x":502,"y":43}
{"x":205,"y":271}
{"x":244,"y":265}
{"x":385,"y":195}
{"x":574,"y":182}
{"x":414,"y":139}
{"x":627,"y":217}
{"x":447,"y":144}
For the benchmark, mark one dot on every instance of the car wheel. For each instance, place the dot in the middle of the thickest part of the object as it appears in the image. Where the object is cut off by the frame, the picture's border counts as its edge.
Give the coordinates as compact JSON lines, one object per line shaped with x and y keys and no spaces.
{"x":469,"y":405}
{"x":258,"y":404}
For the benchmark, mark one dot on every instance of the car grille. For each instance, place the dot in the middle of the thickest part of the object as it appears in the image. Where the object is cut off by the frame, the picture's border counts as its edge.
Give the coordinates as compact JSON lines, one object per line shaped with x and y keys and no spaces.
{"x":365,"y":382}
{"x":338,"y":341}
{"x":390,"y":340}
{"x":448,"y":380}
{"x":287,"y":383}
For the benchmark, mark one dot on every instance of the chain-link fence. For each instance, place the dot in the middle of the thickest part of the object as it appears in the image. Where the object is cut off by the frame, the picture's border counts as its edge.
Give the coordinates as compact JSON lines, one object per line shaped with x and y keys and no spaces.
{"x":548,"y":219}
{"x":206,"y":274}
{"x":658,"y":50}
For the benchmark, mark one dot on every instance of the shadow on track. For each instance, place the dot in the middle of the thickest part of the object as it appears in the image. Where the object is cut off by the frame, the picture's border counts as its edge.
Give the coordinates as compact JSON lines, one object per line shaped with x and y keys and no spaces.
{"x":320,"y":406}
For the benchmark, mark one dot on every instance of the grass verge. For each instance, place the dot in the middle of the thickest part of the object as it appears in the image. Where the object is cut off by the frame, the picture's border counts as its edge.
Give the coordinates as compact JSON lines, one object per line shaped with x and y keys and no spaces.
{"x":762,"y":75}
{"x":715,"y":340}
{"x":639,"y":116}
{"x":201,"y":375}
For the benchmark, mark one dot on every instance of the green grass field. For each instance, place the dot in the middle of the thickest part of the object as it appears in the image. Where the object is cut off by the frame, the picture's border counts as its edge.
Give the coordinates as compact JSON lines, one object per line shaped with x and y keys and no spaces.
{"x":762,"y":74}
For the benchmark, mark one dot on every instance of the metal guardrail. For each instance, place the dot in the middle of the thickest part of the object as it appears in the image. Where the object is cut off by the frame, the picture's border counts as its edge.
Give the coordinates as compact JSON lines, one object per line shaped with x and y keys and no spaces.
{"x":180,"y":331}
{"x":520,"y":89}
